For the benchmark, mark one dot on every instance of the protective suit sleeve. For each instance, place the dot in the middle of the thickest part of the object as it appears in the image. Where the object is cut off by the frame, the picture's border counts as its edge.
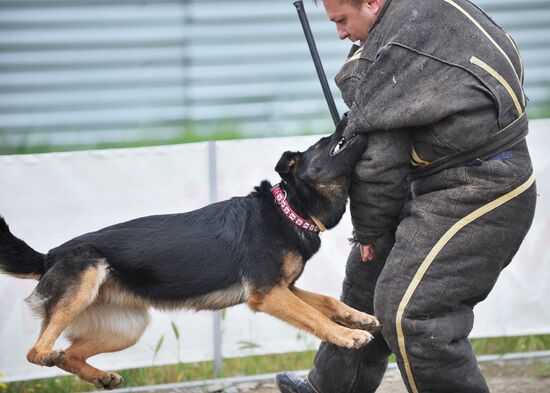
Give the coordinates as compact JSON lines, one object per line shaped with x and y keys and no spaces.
{"x":403,"y":88}
{"x":380,"y":184}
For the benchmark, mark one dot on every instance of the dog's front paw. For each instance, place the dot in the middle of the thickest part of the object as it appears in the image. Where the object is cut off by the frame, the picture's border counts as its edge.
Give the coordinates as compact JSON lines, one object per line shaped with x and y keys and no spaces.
{"x":360,"y":338}
{"x":358,"y":320}
{"x":367,"y":322}
{"x":353,"y":338}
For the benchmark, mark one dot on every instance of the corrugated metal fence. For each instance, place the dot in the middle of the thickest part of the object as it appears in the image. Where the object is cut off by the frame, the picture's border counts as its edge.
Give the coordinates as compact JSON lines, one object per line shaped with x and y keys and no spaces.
{"x":80,"y":71}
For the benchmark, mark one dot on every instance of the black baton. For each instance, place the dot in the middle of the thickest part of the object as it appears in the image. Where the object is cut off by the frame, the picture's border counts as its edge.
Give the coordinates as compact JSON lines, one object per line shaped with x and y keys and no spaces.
{"x":317,"y":61}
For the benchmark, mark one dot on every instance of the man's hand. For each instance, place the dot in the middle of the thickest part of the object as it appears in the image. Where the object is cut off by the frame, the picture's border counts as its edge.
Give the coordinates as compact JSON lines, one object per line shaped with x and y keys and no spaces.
{"x":367,"y":252}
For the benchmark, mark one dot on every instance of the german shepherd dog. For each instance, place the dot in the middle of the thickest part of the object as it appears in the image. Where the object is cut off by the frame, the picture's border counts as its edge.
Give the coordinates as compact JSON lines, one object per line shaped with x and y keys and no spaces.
{"x":98,"y":287}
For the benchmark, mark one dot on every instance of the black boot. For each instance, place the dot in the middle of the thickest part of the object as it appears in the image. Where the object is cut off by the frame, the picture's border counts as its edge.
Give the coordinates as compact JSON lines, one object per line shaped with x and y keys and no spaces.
{"x":289,"y":382}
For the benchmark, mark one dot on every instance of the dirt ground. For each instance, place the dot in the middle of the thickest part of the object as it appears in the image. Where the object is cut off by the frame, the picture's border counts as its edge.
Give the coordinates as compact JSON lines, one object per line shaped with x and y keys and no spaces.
{"x":501,"y":379}
{"x":531,"y":377}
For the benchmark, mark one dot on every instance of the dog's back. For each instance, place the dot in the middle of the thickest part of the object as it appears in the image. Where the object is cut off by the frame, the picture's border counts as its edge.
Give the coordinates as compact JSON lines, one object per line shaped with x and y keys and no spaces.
{"x":167,"y":257}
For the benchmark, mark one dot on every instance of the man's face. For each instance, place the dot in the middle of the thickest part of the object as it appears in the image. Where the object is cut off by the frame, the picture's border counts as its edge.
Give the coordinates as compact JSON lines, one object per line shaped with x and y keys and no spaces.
{"x":353,"y":21}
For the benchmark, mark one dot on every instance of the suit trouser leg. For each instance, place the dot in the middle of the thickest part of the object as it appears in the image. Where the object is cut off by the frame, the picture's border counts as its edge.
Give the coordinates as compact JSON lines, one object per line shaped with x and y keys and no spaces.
{"x":450,"y":249}
{"x":340,"y":370}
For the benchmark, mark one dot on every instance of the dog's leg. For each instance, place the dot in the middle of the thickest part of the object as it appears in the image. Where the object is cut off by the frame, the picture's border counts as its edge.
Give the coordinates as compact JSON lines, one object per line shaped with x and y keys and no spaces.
{"x":85,"y":347}
{"x":338,"y":311}
{"x":102,"y":328}
{"x":71,"y":302}
{"x":281,"y":303}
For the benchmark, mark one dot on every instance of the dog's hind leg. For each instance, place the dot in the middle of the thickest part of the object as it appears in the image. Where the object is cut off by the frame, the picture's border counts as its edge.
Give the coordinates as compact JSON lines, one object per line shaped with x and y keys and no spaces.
{"x":281,"y":303}
{"x":102,"y":328}
{"x":81,"y":349}
{"x":338,"y":311}
{"x":61,"y":295}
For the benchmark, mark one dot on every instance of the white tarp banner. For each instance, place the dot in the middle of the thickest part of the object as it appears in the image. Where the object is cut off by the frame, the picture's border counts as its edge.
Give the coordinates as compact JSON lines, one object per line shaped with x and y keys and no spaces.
{"x":49,"y":198}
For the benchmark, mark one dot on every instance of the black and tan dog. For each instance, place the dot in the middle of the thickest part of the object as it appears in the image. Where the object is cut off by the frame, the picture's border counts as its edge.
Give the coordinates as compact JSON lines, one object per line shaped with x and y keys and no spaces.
{"x":98,"y":287}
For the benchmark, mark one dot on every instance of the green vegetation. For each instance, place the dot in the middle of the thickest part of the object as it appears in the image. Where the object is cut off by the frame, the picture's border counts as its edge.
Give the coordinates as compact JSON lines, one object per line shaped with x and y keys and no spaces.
{"x":539,"y":112}
{"x":251,"y":365}
{"x":254,"y":365}
{"x":225,"y":130}
{"x":185,"y":137}
{"x":541,"y":369}
{"x":502,"y":345}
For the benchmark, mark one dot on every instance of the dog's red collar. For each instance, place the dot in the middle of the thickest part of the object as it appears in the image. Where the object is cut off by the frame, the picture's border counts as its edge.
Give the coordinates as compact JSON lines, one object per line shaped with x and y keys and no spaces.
{"x":280,"y":199}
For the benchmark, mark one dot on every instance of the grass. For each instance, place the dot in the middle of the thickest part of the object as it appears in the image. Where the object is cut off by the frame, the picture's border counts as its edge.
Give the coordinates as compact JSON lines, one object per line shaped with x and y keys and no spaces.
{"x":254,"y":365}
{"x":540,"y":112}
{"x":225,"y":131}
{"x":541,"y":369}
{"x":502,"y":345}
{"x":186,"y":136}
{"x":251,"y":365}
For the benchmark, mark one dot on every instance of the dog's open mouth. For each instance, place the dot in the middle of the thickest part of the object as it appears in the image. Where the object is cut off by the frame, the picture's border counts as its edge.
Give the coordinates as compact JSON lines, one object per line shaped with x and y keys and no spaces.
{"x":341,"y":145}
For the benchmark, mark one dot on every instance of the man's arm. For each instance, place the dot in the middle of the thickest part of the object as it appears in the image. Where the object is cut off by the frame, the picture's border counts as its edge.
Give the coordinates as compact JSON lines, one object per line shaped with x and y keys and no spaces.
{"x":402,"y":88}
{"x":380,"y":187}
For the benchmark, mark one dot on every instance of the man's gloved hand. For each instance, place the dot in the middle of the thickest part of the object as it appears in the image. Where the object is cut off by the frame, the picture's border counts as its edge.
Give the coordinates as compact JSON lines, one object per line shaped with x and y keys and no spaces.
{"x":367,"y":252}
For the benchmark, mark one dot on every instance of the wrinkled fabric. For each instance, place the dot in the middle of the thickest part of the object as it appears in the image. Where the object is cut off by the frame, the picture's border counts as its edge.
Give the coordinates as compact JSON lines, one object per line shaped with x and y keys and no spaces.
{"x":416,"y":70}
{"x":437,"y":87}
{"x":380,"y":184}
{"x":338,"y":369}
{"x":415,"y":75}
{"x":439,"y":316}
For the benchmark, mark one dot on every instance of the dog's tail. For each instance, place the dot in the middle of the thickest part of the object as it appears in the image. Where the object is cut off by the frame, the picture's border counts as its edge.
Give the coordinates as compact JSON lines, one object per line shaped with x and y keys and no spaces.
{"x":17,"y":258}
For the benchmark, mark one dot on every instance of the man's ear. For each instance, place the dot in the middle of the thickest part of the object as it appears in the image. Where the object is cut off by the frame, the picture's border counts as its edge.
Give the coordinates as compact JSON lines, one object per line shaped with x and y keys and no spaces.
{"x":375,"y":6}
{"x":286,"y":162}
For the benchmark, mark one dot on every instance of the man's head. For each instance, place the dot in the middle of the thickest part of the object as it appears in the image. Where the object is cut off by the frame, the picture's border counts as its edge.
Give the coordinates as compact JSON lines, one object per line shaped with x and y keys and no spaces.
{"x":353,"y":18}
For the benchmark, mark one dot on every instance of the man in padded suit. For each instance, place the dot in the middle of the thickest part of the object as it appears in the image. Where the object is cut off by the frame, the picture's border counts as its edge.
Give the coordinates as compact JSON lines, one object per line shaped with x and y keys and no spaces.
{"x":443,"y":195}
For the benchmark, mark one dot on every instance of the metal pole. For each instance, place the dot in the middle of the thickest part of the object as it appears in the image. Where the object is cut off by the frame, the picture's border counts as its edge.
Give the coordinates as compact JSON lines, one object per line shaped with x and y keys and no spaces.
{"x":212,"y":164}
{"x":317,"y":61}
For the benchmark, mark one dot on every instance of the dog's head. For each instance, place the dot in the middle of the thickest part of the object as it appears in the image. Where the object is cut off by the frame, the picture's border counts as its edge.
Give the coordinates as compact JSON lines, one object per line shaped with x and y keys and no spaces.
{"x":324,"y":170}
{"x":330,"y":160}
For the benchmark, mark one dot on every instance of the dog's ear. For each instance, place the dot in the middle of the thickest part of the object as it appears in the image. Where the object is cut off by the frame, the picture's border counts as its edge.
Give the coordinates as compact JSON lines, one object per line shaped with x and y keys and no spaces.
{"x":286,"y":162}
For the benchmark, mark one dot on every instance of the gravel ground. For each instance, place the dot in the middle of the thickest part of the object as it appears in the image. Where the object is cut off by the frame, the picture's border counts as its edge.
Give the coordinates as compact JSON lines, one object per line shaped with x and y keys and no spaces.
{"x":531,"y":377}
